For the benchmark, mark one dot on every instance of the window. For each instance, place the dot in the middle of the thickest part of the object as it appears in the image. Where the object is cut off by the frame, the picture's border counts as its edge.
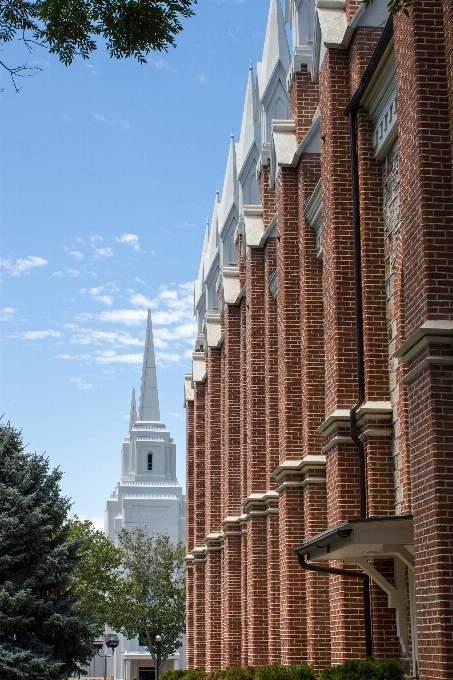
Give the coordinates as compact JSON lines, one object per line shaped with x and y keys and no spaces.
{"x":150,"y":461}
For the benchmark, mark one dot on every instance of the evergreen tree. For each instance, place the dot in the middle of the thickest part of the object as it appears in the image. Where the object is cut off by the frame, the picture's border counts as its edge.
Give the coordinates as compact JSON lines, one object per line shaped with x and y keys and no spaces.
{"x":42,"y":636}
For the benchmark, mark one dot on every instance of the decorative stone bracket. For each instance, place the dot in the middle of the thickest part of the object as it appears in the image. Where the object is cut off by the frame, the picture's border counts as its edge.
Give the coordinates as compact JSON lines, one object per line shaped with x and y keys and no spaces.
{"x":213,"y":330}
{"x":231,"y":285}
{"x":188,"y":389}
{"x":254,"y":226}
{"x":198,"y":367}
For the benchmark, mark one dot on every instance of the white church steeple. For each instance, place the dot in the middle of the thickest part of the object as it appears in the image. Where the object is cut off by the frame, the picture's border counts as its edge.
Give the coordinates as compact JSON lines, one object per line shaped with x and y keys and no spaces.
{"x":148,"y":409}
{"x":133,"y":415}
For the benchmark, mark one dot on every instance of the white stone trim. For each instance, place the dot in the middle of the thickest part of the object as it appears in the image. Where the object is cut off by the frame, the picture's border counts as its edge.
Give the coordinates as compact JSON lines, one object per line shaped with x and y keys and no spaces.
{"x":254,"y":226}
{"x":313,"y":213}
{"x":231,"y":285}
{"x":198,"y":366}
{"x":380,"y":101}
{"x":213,"y":329}
{"x":188,"y":389}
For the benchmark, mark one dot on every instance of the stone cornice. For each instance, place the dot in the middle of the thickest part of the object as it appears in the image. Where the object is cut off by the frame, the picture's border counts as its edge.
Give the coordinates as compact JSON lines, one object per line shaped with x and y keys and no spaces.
{"x":299,"y":467}
{"x":260,"y":499}
{"x":338,"y":418}
{"x":432,"y":332}
{"x":374,"y":410}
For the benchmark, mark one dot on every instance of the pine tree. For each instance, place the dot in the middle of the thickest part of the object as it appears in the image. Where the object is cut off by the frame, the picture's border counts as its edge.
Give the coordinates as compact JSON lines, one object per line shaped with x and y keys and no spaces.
{"x":42,"y":635}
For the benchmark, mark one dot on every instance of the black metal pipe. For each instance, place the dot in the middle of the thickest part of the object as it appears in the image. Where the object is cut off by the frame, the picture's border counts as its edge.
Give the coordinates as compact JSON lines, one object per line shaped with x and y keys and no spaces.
{"x":358,"y":313}
{"x":366,"y":594}
{"x":329,"y":570}
{"x":360,"y":359}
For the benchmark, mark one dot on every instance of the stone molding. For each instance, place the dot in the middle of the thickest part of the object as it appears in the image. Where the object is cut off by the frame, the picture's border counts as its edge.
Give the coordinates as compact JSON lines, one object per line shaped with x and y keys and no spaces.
{"x":213,"y":329}
{"x":198,"y":367}
{"x":339,"y":418}
{"x":254,"y":226}
{"x":333,"y":23}
{"x":297,"y":467}
{"x":380,"y":101}
{"x":231,"y":285}
{"x":284,"y":143}
{"x":313,"y":213}
{"x":430,"y":333}
{"x":188,"y":389}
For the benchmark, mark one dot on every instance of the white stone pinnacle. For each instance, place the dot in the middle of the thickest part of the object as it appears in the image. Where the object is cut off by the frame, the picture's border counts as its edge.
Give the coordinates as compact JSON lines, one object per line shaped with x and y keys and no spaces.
{"x":149,"y":398}
{"x":133,"y":416}
{"x":275,"y":46}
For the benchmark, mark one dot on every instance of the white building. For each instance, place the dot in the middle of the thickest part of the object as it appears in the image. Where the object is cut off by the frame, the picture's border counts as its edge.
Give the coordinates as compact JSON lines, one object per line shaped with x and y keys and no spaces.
{"x":147,"y":495}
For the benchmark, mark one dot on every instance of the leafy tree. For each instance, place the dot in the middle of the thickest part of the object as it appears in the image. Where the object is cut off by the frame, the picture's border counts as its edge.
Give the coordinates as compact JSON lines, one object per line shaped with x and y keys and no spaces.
{"x":155,"y":567}
{"x":130,"y":28}
{"x":100,"y":581}
{"x":395,"y":6}
{"x":42,"y":635}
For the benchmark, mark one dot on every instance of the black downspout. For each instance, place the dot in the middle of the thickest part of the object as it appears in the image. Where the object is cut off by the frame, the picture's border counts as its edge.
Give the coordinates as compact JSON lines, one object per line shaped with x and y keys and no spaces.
{"x":360,"y":360}
{"x":358,"y":312}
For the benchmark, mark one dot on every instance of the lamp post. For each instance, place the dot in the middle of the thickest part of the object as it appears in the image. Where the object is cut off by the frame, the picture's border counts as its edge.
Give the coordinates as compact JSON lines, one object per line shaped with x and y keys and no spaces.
{"x":111,"y":642}
{"x":159,"y":644}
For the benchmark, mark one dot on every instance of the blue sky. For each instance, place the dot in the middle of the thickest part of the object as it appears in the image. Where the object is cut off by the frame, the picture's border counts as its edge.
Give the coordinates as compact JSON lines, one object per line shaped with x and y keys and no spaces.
{"x":108,"y":172}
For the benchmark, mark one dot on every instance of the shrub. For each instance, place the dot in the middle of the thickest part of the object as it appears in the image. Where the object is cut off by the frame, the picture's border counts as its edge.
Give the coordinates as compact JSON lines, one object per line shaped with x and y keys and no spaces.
{"x":192,"y":674}
{"x":195,"y":674}
{"x":365,"y":669}
{"x":277,"y":672}
{"x":173,"y":675}
{"x":233,"y":673}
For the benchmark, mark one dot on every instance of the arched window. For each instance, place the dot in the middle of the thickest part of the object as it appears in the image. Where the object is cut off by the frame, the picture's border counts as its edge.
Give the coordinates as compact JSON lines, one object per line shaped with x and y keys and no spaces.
{"x":150,"y":461}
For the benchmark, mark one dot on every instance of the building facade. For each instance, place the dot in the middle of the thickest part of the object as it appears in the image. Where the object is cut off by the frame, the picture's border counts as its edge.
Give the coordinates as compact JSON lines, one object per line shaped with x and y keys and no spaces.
{"x":320,"y":402}
{"x":148,"y":495}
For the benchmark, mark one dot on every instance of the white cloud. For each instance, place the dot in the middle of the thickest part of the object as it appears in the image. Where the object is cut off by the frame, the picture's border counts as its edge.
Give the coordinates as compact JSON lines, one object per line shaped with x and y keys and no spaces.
{"x":7,"y":313}
{"x":129,"y":239}
{"x":164,"y":358}
{"x":131,"y":317}
{"x":103,"y":252}
{"x":73,"y":272}
{"x":96,"y":237}
{"x":77,"y":254}
{"x":23,"y":265}
{"x":101,"y":119}
{"x":202,"y":78}
{"x":84,"y":357}
{"x":38,"y":335}
{"x":90,"y":336}
{"x":109,"y":357}
{"x":139,"y":300}
{"x":106,"y":299}
{"x":59,"y":274}
{"x":92,"y":69}
{"x":160,"y":63}
{"x":81,"y":384}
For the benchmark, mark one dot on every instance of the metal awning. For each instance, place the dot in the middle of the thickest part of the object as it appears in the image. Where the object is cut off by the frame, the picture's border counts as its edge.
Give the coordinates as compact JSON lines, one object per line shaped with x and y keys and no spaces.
{"x":363,"y":539}
{"x":356,"y":542}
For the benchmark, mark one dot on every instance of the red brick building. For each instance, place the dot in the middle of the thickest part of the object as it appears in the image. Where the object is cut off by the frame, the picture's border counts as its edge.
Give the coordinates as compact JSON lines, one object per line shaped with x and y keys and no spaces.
{"x":320,"y":404}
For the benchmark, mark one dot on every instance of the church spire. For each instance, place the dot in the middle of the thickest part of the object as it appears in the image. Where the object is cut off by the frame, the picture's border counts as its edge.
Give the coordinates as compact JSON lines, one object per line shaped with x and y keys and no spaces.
{"x":230,"y":184}
{"x":250,"y":126}
{"x":133,"y":416}
{"x":275,"y":46}
{"x":149,"y":399}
